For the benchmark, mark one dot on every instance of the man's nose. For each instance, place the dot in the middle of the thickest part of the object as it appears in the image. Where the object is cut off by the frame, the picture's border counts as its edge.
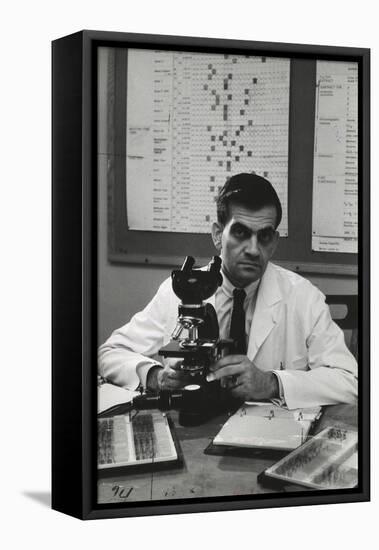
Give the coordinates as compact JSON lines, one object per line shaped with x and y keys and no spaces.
{"x":252,"y":246}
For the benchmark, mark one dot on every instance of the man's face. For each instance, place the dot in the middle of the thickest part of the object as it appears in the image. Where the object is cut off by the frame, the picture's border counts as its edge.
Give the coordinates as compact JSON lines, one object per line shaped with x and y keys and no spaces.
{"x":246,"y":242}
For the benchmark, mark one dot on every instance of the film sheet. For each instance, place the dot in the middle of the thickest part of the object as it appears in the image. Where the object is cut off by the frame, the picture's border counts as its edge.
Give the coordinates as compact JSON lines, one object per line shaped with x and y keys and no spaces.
{"x":335,"y":175}
{"x":194,"y":119}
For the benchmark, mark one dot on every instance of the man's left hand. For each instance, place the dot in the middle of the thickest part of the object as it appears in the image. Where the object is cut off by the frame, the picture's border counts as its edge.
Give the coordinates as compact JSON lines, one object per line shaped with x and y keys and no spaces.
{"x":244,"y":379}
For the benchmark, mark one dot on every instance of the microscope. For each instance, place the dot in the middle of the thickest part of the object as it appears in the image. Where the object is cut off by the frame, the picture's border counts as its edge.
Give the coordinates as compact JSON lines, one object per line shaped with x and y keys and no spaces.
{"x":196,"y":341}
{"x":196,"y":335}
{"x":196,"y":344}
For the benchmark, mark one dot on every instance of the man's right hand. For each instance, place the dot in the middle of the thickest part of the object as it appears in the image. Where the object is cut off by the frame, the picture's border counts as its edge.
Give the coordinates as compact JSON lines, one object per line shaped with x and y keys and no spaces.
{"x":167,"y":378}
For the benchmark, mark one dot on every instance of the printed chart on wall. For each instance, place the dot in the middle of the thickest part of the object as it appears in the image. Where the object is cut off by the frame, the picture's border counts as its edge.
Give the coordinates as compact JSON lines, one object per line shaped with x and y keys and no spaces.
{"x":193,"y":120}
{"x":335,"y":176}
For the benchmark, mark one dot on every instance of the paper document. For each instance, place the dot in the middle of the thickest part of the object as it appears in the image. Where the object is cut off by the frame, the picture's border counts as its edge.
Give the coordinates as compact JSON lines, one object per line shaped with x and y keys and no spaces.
{"x":194,"y":119}
{"x":335,"y":174}
{"x":267,"y":426}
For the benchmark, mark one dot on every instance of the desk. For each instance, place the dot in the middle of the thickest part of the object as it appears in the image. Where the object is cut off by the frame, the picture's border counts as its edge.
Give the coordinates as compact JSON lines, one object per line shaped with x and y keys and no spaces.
{"x":203,"y":475}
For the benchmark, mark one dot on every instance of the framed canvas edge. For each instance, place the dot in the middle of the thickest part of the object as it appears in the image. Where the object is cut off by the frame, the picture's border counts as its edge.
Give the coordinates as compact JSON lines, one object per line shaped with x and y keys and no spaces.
{"x":81,"y":504}
{"x":67,"y":245}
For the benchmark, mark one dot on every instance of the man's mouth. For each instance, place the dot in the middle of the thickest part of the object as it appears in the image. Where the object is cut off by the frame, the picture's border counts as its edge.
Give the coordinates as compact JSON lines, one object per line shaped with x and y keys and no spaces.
{"x":254,"y":265}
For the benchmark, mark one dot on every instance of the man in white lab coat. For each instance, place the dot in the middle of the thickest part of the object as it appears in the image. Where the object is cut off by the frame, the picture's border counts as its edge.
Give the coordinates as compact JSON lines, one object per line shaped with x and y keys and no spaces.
{"x":295,"y":354}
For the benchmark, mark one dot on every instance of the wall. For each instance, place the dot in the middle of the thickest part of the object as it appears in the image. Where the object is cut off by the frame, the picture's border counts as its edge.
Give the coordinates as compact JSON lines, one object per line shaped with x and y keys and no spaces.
{"x":125,"y":289}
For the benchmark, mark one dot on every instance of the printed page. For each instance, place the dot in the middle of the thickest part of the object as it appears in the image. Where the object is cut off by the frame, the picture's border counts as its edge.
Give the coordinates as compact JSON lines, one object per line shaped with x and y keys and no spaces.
{"x":335,"y":179}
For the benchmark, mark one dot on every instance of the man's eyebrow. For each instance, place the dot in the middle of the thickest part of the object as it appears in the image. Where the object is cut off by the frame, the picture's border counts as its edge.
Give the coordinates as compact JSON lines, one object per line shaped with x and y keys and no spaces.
{"x":240,"y":224}
{"x":247,"y":228}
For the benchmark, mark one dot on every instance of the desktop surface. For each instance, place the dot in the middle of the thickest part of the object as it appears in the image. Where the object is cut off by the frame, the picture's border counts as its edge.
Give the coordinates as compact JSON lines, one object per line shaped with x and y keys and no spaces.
{"x":232,"y":472}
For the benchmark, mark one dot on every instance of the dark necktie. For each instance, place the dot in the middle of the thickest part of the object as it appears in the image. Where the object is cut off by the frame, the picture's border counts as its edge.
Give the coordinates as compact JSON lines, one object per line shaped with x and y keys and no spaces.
{"x":237,"y":324}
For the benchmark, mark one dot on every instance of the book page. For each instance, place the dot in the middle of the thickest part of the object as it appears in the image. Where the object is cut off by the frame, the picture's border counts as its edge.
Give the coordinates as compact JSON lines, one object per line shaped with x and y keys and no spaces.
{"x":109,"y":395}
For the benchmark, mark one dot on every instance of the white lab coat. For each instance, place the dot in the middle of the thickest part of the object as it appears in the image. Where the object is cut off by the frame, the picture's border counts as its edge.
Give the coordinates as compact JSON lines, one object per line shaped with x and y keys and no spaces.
{"x":292,"y":333}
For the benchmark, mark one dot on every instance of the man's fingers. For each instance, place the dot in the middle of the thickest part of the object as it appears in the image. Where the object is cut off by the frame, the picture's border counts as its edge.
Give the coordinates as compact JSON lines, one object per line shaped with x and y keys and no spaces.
{"x":229,"y":370}
{"x":180,"y":376}
{"x":173,"y":363}
{"x":227,"y":360}
{"x":230,"y":382}
{"x":173,"y":380}
{"x":168,"y":383}
{"x":171,"y":373}
{"x":238,"y":391}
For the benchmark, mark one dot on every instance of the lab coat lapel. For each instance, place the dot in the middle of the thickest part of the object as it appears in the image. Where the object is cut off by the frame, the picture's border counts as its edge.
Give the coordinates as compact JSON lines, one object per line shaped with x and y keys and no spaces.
{"x":265,"y":314}
{"x":212,"y":300}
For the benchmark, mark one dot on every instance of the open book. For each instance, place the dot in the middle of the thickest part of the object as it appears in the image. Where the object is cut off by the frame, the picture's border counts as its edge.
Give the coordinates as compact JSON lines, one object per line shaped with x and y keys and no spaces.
{"x":264,"y":425}
{"x":109,"y":396}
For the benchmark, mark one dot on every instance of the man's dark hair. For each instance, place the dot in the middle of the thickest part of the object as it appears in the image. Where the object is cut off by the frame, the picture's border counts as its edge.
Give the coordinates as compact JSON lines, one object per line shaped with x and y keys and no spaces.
{"x":249,"y":190}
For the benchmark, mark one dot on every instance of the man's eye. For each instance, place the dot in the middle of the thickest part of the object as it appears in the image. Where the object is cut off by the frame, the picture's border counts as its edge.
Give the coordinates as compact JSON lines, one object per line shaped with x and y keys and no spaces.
{"x":239,"y":232}
{"x":265,"y":236}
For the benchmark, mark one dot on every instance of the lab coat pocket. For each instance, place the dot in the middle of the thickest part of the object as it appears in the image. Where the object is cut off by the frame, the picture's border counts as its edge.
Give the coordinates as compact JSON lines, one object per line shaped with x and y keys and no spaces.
{"x":300,"y":362}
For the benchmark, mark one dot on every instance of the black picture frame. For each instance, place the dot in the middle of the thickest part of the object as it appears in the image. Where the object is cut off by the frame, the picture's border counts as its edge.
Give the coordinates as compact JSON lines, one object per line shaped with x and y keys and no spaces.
{"x":75,"y":282}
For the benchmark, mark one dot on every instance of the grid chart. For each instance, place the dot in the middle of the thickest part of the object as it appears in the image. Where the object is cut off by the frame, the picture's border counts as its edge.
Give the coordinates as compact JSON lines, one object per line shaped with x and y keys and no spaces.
{"x":193,"y":120}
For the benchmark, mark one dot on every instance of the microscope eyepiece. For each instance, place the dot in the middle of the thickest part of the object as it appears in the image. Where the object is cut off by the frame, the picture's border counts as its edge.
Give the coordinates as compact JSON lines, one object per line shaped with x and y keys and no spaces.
{"x":188,"y":264}
{"x":193,"y":286}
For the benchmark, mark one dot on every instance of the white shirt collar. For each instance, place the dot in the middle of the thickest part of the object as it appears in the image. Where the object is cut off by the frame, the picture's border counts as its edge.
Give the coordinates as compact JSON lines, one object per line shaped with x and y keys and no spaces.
{"x":228,"y":288}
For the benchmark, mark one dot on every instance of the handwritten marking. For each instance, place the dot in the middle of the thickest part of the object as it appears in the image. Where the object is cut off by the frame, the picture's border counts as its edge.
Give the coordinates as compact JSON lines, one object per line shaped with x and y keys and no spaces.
{"x":118,"y":490}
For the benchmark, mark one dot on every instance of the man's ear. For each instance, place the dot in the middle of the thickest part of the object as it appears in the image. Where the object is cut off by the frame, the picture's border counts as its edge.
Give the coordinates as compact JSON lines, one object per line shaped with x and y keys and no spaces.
{"x":217,"y":229}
